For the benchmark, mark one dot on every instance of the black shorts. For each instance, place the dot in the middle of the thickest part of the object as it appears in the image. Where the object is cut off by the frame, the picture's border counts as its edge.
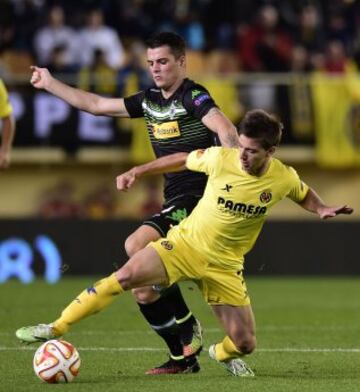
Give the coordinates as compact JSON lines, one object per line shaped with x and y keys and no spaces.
{"x":173,"y":212}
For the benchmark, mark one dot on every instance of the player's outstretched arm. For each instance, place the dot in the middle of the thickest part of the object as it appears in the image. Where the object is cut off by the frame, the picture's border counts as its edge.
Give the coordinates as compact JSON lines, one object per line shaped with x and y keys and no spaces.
{"x":41,"y":78}
{"x":166,"y":164}
{"x":216,"y":120}
{"x":313,"y":203}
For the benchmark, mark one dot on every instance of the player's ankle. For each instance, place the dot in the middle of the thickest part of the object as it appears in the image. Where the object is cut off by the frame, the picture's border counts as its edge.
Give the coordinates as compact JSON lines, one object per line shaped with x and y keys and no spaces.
{"x":59,"y":328}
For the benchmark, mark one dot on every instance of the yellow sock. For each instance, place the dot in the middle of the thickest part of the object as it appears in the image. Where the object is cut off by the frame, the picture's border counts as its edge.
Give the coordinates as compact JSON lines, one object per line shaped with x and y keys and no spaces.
{"x":226,"y":350}
{"x":90,"y":301}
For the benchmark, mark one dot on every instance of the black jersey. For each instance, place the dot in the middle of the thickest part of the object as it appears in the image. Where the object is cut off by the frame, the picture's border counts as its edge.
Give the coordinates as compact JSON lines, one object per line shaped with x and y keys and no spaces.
{"x":174,"y":125}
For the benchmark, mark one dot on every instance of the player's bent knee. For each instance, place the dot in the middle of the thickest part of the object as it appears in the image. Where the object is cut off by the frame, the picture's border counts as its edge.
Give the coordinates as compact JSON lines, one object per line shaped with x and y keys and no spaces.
{"x":145,"y":295}
{"x":132,"y":245}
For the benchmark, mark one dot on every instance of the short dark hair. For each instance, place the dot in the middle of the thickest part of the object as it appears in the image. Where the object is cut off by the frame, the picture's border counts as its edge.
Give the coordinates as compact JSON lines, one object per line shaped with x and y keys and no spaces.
{"x":258,"y":124}
{"x":174,"y":41}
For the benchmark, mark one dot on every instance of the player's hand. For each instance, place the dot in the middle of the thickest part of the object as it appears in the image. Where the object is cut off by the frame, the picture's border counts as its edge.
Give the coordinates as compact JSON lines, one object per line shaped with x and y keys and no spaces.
{"x":126,"y":180}
{"x":330,"y":212}
{"x":4,"y":160}
{"x":40,"y":77}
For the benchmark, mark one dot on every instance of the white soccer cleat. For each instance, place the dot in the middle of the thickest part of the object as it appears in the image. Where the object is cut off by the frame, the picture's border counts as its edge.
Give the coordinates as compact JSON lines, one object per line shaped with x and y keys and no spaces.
{"x":36,"y":333}
{"x":237,"y":367}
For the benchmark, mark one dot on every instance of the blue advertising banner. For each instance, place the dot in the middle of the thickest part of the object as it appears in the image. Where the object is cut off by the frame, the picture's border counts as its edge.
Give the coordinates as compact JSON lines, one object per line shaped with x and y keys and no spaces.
{"x":50,"y":249}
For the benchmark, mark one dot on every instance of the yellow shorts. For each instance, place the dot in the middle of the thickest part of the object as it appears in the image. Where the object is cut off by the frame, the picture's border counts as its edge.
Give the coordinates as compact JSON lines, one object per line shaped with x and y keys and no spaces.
{"x":218,"y":284}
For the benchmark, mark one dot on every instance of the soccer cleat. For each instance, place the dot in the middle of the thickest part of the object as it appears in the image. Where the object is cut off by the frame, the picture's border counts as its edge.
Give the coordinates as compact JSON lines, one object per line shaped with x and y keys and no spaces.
{"x":194,"y":344}
{"x":237,"y":367}
{"x":36,"y":333}
{"x":183,"y":366}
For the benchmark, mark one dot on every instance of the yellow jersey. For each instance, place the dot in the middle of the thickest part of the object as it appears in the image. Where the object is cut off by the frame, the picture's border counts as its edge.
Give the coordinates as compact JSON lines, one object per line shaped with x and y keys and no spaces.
{"x":228,"y":219}
{"x":5,"y":106}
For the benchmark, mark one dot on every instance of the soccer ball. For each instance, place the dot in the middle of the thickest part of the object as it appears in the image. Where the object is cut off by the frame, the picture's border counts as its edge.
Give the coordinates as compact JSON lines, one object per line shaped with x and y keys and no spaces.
{"x":56,"y":361}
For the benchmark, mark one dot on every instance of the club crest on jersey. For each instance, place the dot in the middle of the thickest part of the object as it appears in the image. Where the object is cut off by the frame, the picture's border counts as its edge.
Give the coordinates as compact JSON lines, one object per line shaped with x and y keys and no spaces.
{"x":266,"y":196}
{"x":166,"y":130}
{"x":172,"y":110}
{"x":167,"y":245}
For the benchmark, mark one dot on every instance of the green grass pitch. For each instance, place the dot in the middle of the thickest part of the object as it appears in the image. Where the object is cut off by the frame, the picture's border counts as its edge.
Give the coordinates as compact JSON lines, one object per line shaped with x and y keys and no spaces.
{"x":308,"y":339}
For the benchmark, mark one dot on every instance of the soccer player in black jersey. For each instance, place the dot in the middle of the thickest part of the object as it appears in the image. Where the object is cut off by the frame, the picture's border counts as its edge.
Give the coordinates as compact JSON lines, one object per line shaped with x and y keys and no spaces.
{"x":181,"y":116}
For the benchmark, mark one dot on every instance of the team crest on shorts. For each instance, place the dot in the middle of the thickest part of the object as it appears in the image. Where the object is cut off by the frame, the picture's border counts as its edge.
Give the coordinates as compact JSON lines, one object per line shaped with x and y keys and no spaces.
{"x":266,"y":196}
{"x":167,"y":245}
{"x":199,"y":153}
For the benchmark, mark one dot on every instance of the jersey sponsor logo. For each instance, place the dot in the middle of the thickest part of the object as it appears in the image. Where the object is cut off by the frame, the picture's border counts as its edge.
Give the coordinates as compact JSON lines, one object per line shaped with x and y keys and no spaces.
{"x":238,"y":208}
{"x":166,"y":130}
{"x":167,"y":245}
{"x":266,"y":196}
{"x":200,"y":99}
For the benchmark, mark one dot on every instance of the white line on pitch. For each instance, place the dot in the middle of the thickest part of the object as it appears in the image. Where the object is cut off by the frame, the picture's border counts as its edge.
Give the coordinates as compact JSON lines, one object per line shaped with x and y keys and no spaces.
{"x":137,"y":349}
{"x":117,"y":349}
{"x":216,"y":330}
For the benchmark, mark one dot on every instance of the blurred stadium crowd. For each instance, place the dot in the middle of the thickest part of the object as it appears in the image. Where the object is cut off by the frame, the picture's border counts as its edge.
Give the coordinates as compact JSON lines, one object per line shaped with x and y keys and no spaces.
{"x":263,"y":36}
{"x":97,"y":45}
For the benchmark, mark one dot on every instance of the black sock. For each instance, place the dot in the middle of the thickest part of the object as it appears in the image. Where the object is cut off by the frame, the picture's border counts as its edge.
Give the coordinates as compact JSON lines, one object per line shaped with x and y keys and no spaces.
{"x":160,"y":316}
{"x":184,"y":317}
{"x":179,"y":307}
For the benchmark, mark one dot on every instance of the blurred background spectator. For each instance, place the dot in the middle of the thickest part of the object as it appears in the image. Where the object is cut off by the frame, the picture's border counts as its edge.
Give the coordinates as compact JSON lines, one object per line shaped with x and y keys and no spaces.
{"x":59,"y":202}
{"x":259,"y":33}
{"x":100,"y":202}
{"x":264,"y":45}
{"x":55,"y":37}
{"x":95,"y":35}
{"x":98,"y":77}
{"x":152,"y":203}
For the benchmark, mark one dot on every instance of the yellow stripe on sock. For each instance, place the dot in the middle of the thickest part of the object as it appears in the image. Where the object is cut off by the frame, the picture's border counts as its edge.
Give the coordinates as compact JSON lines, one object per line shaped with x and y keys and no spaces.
{"x":177,"y":358}
{"x":180,"y":321}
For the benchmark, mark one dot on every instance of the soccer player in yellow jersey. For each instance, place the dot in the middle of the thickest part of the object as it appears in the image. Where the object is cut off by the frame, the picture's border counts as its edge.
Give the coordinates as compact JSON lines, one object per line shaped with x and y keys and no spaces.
{"x":7,"y":127}
{"x":209,"y":246}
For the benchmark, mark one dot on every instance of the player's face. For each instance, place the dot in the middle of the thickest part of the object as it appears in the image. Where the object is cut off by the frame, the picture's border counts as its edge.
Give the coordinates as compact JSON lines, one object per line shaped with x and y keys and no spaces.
{"x":165,"y":69}
{"x":253,"y":156}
